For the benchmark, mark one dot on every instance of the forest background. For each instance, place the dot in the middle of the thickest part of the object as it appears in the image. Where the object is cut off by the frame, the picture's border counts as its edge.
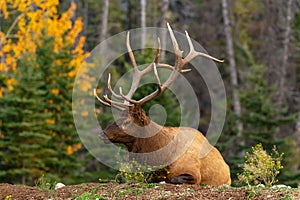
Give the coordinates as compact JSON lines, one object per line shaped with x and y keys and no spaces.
{"x":43,"y":43}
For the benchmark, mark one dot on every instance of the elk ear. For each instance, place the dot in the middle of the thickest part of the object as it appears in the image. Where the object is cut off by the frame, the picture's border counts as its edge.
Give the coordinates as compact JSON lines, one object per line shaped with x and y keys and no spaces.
{"x":126,"y":123}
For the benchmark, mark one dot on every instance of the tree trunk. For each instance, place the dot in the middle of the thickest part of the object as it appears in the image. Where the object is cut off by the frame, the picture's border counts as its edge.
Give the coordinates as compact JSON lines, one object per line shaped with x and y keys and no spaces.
{"x":104,"y":21}
{"x":143,"y":23}
{"x":85,"y":11}
{"x":286,"y":41}
{"x":298,"y":126}
{"x":297,"y":138}
{"x":232,"y":68}
{"x":129,"y":14}
{"x":163,"y":24}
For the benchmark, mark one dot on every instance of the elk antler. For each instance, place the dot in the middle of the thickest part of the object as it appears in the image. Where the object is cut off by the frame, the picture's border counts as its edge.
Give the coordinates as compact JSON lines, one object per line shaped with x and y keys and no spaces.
{"x":176,"y":69}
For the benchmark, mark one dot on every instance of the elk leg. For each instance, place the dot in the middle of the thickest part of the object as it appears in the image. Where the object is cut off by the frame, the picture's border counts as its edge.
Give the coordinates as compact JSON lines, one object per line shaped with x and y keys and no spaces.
{"x":183,"y":178}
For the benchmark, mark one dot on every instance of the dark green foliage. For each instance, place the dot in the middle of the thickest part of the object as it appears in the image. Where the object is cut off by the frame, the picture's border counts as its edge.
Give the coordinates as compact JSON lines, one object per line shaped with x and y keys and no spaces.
{"x":37,"y":122}
{"x":261,"y":117}
{"x":59,"y":106}
{"x":24,"y":145}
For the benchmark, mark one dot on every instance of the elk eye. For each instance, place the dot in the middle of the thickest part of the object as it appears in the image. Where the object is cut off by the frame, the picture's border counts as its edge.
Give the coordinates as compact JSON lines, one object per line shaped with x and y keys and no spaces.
{"x":126,"y":123}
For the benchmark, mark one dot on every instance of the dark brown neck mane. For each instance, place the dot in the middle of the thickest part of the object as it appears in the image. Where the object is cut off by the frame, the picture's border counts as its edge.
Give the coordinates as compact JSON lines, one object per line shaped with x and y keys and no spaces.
{"x":138,"y":116}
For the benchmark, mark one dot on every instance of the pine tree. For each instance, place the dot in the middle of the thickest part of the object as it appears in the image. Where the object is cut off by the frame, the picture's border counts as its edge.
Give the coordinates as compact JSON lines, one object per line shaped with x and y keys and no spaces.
{"x":24,"y":139}
{"x":56,"y":70}
{"x":40,"y":55}
{"x":37,"y":121}
{"x":261,"y":116}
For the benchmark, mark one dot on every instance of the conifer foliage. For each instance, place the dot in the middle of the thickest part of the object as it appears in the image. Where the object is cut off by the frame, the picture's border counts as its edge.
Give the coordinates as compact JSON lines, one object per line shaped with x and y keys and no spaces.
{"x":24,"y":145}
{"x":41,"y":52}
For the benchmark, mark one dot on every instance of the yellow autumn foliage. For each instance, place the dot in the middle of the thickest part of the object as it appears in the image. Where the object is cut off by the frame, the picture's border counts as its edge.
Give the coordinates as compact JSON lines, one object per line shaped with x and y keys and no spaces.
{"x":50,"y":121}
{"x":55,"y":91}
{"x":36,"y":19}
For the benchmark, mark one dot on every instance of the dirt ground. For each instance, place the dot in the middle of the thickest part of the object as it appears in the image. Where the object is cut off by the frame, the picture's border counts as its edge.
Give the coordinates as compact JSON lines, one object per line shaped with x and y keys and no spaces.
{"x":143,"y":191}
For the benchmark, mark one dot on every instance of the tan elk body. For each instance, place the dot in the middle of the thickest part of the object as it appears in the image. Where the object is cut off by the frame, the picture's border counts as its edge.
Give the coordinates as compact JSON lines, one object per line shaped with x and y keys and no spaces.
{"x":194,"y":160}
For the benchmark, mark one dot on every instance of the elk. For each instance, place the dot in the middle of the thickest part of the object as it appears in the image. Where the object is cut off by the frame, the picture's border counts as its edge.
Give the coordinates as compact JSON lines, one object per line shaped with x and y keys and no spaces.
{"x":195,"y":160}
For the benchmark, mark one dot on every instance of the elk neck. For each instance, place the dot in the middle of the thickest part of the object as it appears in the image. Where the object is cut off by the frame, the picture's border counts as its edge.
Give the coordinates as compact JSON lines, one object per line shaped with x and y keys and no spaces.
{"x":150,"y":135}
{"x":138,"y":116}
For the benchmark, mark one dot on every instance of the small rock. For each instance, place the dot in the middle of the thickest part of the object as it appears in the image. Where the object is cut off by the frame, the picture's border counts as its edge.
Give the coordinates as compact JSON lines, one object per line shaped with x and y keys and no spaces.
{"x":280,"y":186}
{"x":59,"y":185}
{"x":162,"y":182}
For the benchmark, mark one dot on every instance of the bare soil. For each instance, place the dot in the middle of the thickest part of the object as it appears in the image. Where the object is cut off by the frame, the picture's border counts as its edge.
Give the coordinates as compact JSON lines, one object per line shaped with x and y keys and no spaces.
{"x":143,"y":191}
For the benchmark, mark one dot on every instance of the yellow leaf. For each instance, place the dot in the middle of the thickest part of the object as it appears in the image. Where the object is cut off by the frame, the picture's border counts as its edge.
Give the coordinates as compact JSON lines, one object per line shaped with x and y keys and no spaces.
{"x":78,"y":146}
{"x":55,"y":91}
{"x":84,"y":114}
{"x":70,"y":150}
{"x":6,"y":48}
{"x":3,"y":8}
{"x":50,"y":121}
{"x":85,"y":86}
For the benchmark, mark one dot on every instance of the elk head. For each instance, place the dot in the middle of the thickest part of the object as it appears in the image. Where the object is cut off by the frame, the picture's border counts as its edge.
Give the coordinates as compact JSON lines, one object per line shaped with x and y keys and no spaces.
{"x":134,"y":122}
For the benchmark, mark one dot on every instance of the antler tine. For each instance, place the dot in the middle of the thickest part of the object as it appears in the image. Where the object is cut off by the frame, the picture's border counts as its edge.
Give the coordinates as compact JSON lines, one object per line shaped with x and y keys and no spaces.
{"x":108,"y":104}
{"x":177,"y":51}
{"x":122,"y":105}
{"x":127,"y":98}
{"x":100,"y":100}
{"x":110,"y":88}
{"x":175,"y":70}
{"x":130,"y":51}
{"x":157,"y":77}
{"x":157,"y":57}
{"x":193,"y":53}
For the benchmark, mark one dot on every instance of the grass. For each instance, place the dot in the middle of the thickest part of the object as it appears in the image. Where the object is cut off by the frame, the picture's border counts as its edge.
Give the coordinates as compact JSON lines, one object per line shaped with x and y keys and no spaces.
{"x":136,"y":191}
{"x":88,"y":195}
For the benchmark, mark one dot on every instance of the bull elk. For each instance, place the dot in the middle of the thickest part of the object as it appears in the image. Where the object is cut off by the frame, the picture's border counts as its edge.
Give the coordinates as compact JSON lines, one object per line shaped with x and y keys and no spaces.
{"x":140,"y":135}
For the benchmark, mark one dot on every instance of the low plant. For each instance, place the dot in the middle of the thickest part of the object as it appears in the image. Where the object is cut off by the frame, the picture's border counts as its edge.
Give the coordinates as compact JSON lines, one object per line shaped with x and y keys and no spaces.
{"x":135,"y":172}
{"x":255,"y":191}
{"x":45,"y":183}
{"x":8,"y":197}
{"x":88,"y":195}
{"x":261,"y":167}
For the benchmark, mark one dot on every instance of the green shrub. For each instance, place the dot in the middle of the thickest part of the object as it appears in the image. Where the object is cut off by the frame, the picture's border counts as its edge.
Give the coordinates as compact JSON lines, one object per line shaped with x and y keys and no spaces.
{"x":135,"y":172}
{"x":261,"y":167}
